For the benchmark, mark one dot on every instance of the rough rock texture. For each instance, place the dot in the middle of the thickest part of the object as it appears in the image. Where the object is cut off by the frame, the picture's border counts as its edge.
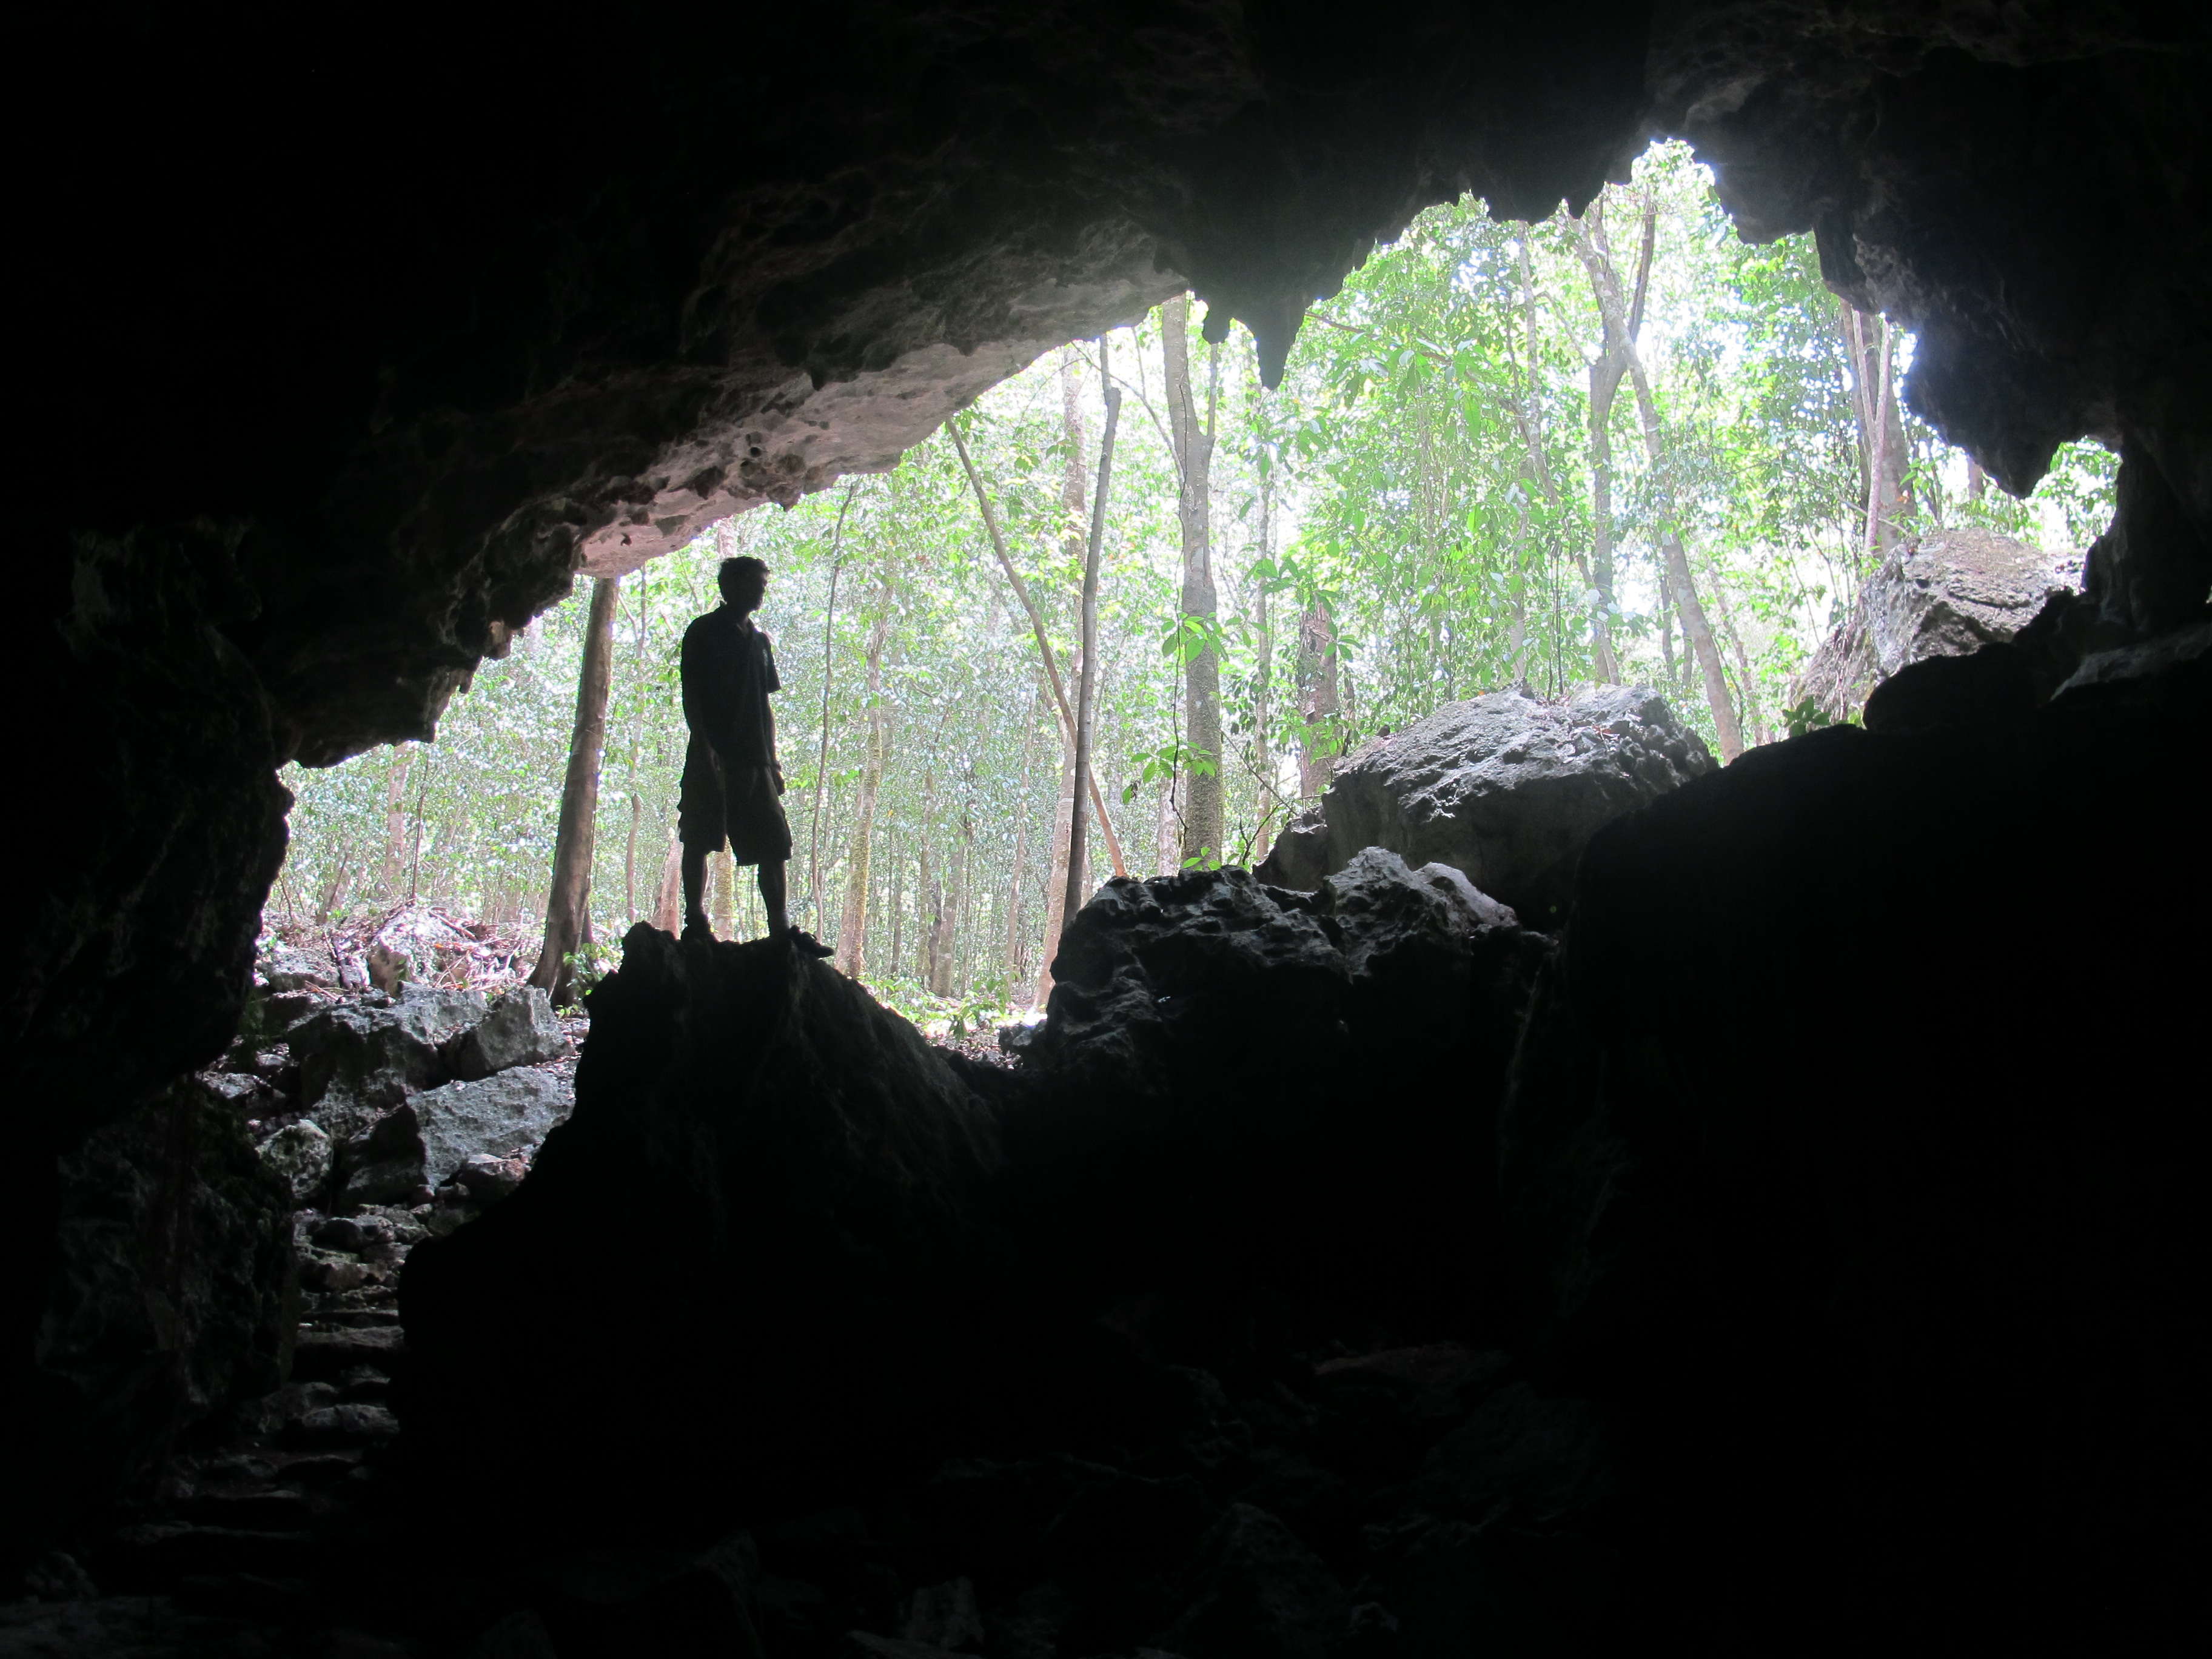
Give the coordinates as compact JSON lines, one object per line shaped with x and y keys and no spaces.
{"x":299,"y":1155}
{"x":785,"y":1246}
{"x":165,"y":1293}
{"x":521,"y":1030}
{"x":429,"y":1140}
{"x":1506,"y":788}
{"x":1262,"y":1088}
{"x":1825,"y":1260}
{"x":410,"y":358}
{"x":815,"y":1171}
{"x":358,"y":1061}
{"x":1954,"y":592}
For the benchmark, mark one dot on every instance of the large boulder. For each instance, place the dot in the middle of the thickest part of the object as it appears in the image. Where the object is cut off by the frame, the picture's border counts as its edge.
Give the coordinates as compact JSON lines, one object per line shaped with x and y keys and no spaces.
{"x":1245,"y":1088}
{"x":1883,"y":1234}
{"x":433,"y":1136}
{"x":1947,"y":595}
{"x":786,"y":1250}
{"x":359,"y":1060}
{"x":755,"y":1250}
{"x":521,"y":1030}
{"x":1506,"y":789}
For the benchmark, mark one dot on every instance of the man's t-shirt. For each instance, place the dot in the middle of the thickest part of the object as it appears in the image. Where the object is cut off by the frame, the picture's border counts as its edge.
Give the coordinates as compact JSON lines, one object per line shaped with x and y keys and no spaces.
{"x":729,"y":668}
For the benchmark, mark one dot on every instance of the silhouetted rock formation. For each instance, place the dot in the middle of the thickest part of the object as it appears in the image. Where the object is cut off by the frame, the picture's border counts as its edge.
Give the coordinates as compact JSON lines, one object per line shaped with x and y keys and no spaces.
{"x":1251,"y":1118}
{"x":406,"y":369}
{"x":163,"y":1268}
{"x":1827,"y":1265}
{"x":1952,"y":593}
{"x":1506,"y":787}
{"x":754,"y":1257}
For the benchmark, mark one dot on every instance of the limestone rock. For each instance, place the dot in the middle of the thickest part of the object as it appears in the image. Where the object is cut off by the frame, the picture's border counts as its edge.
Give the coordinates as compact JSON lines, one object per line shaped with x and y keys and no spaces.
{"x":1816,"y":1247}
{"x":1254,"y":1587}
{"x":521,"y":1030}
{"x":1506,"y":789}
{"x":298,"y":1154}
{"x":773,"y":1174}
{"x":166,"y":1295}
{"x":431,"y":1137}
{"x":1954,"y":592}
{"x":1323,"y":1066}
{"x":359,"y":1060}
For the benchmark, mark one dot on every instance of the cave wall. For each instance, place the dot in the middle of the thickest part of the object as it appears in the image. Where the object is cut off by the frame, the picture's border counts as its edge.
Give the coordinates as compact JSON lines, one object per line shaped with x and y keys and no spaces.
{"x":367,"y":348}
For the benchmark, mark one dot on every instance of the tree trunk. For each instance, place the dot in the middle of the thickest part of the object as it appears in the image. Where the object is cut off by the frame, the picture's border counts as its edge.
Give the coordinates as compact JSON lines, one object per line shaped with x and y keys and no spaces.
{"x":945,"y":969}
{"x":1057,"y":882}
{"x":579,"y":800}
{"x":668,"y":903}
{"x":1194,"y":457}
{"x":1087,"y":702}
{"x":1073,"y":546}
{"x":1621,"y":326}
{"x":898,"y":904}
{"x":1695,"y":628}
{"x":1885,"y":453}
{"x":1263,"y":699}
{"x":636,"y":744}
{"x":853,"y":924}
{"x":725,"y":902}
{"x":1317,"y":704}
{"x":1743,"y":664}
{"x":395,"y":817}
{"x":1014,"y":958}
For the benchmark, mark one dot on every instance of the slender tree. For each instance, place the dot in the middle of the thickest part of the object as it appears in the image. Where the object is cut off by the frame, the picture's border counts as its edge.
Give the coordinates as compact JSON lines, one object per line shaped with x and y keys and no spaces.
{"x":1087,"y":705}
{"x":395,"y":816}
{"x":1604,"y":284}
{"x":853,"y":923}
{"x":566,"y":900}
{"x":1317,"y":697}
{"x":1885,"y":451}
{"x":1606,"y":371}
{"x":1030,"y":606}
{"x":1193,"y":442}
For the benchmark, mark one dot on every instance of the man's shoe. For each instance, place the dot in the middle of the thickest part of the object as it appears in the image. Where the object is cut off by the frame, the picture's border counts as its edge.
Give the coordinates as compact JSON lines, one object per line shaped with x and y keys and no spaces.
{"x":697,"y":924}
{"x":807,"y":945}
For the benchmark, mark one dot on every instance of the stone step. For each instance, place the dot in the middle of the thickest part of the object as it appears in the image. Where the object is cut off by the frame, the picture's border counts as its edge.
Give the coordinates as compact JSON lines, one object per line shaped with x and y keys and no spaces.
{"x":323,"y":1355}
{"x":340,"y":1426}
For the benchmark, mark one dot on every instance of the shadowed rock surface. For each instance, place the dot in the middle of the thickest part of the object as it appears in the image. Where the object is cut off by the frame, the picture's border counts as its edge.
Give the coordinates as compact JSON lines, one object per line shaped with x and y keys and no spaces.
{"x":1955,"y":592}
{"x":165,"y":1294}
{"x":410,"y":359}
{"x":1826,"y":1266}
{"x":1506,"y":788}
{"x":884,"y":1251}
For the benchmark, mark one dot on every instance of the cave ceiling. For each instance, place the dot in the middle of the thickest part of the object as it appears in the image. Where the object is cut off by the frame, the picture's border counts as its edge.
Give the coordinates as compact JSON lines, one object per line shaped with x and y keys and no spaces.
{"x":429,"y":324}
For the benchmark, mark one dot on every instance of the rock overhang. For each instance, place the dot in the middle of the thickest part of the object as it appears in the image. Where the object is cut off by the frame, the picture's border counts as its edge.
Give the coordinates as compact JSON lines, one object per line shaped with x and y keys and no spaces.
{"x":627,"y":329}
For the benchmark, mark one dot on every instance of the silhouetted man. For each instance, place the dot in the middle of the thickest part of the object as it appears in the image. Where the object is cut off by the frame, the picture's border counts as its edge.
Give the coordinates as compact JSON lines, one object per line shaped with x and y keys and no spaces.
{"x":732,"y":786}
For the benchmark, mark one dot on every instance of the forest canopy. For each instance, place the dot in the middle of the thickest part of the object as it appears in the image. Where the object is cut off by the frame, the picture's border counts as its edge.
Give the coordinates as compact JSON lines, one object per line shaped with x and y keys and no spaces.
{"x":1628,"y":447}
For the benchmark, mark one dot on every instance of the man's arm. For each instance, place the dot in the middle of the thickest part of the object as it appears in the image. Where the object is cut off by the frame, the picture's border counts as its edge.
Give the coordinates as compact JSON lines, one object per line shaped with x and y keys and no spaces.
{"x":770,"y":682}
{"x":688,"y":672}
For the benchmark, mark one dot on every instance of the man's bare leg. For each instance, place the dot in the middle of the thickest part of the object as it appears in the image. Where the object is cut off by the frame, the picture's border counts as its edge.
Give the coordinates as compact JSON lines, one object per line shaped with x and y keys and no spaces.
{"x":695,"y":891}
{"x":773,"y":897}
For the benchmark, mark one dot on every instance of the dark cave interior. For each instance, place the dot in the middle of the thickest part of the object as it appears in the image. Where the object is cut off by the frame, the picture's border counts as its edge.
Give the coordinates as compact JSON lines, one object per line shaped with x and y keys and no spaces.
{"x":1876,"y":1318}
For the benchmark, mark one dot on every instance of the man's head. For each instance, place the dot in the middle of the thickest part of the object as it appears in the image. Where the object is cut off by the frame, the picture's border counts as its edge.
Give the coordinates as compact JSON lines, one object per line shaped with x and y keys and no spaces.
{"x":743,"y":581}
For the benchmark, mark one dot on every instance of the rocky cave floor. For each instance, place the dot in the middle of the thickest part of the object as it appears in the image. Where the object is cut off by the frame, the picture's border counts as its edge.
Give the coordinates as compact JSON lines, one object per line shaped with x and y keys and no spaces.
{"x":292,"y":1525}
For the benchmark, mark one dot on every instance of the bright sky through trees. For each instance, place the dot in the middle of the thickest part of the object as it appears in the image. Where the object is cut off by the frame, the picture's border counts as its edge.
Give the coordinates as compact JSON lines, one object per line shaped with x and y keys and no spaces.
{"x":1408,"y":520}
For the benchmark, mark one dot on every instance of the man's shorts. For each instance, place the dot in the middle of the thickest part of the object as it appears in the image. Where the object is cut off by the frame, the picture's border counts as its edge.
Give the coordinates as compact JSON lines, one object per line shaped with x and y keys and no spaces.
{"x":738,"y":804}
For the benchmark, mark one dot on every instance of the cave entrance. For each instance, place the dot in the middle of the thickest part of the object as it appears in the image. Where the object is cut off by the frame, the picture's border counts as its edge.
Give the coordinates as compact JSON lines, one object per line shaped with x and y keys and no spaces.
{"x":1622,"y":446}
